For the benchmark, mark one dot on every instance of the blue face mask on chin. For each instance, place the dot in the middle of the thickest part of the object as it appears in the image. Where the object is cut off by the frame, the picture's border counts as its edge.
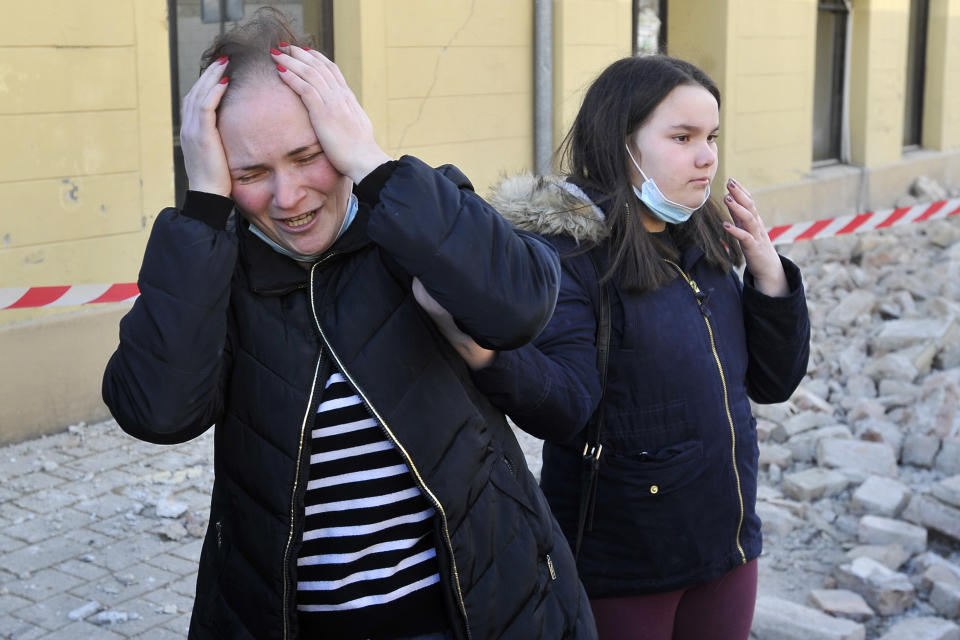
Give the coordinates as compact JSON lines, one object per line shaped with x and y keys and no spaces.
{"x":663,"y":209}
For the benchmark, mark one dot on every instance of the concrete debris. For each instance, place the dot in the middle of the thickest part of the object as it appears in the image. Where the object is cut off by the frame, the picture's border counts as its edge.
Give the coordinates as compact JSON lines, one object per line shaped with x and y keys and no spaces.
{"x":114,"y":617}
{"x":892,"y":556}
{"x":945,"y":598}
{"x":167,"y":507}
{"x":879,"y":530}
{"x":923,"y":629}
{"x":841,"y":603}
{"x":779,"y":619}
{"x":870,"y":442}
{"x":82,"y":612}
{"x":881,"y":496}
{"x":814,"y":483}
{"x":887,"y":591}
{"x":858,"y":458}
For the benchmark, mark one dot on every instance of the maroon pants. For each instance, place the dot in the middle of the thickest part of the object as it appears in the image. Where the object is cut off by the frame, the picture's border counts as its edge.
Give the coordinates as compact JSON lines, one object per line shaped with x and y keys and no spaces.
{"x":718,"y":610}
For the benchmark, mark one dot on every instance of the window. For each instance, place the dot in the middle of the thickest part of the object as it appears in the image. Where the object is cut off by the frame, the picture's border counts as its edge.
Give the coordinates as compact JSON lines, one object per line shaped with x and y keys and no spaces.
{"x":830,"y":76}
{"x":916,"y":61}
{"x":649,"y":26}
{"x":194,"y":24}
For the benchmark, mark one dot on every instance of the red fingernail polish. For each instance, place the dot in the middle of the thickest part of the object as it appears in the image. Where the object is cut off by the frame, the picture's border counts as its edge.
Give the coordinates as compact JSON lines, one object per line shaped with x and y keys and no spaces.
{"x":222,"y":59}
{"x":305,"y":48}
{"x":281,"y":68}
{"x":274,"y":52}
{"x":224,"y":79}
{"x":283,"y":44}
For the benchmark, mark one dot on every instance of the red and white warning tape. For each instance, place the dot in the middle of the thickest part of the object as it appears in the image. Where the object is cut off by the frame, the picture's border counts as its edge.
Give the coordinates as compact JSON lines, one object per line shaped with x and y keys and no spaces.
{"x":25,"y":297}
{"x":864,"y":221}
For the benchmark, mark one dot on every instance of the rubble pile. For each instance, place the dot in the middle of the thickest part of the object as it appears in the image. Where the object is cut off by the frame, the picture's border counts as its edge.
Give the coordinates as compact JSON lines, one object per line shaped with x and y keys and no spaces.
{"x":860,"y":471}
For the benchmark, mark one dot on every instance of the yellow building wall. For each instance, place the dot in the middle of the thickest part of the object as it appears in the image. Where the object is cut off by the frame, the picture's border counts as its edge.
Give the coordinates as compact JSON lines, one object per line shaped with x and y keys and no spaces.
{"x":86,"y":165}
{"x":450,"y":81}
{"x":85,"y":120}
{"x":588,"y":35}
{"x":878,"y":60}
{"x":761,"y":55}
{"x":941,"y":102}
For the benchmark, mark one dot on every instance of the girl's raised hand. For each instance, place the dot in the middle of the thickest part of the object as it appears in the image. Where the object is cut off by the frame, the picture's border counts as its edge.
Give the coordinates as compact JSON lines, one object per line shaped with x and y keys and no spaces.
{"x":758,"y":251}
{"x":343,"y":129}
{"x":203,"y":156}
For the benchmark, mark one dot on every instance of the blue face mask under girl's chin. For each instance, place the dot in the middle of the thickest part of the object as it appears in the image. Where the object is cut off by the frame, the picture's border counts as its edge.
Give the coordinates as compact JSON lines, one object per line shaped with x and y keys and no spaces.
{"x":659,"y":205}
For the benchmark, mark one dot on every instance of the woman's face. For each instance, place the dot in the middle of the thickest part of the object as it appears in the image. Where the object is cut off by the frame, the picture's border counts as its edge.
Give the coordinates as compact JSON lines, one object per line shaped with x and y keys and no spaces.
{"x":282,"y":180}
{"x":677,"y":145}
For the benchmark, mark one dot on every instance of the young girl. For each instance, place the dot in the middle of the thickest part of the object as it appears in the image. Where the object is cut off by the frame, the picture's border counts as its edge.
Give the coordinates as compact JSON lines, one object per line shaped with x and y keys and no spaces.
{"x":669,"y":532}
{"x":364,"y":487}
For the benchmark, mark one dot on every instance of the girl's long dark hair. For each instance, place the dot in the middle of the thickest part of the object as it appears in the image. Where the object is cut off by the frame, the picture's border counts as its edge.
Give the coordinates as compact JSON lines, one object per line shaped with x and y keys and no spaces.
{"x":594,"y":155}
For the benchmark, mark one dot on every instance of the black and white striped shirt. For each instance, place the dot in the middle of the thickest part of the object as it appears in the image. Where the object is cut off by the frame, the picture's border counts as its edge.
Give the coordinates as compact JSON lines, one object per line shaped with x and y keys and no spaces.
{"x":367,"y":566}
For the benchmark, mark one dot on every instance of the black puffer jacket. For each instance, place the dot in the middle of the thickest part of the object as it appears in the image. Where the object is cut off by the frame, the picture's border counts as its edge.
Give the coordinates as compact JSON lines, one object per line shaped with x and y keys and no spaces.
{"x":227,"y":331}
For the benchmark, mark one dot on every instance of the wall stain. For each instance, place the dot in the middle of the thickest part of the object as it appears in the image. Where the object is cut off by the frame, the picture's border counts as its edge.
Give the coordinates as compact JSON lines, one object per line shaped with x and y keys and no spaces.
{"x":71,"y":193}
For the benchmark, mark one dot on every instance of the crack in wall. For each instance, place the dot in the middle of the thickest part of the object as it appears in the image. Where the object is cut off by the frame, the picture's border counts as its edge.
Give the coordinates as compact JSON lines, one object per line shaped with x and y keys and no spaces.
{"x":436,"y":70}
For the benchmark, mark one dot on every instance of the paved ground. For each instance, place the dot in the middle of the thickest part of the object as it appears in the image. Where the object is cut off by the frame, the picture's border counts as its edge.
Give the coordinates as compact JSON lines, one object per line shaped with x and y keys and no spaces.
{"x":100,"y":535}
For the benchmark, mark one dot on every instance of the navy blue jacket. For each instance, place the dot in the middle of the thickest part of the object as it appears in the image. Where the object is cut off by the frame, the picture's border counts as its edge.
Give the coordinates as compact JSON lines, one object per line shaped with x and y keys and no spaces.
{"x":228,"y":331}
{"x":678,"y":473}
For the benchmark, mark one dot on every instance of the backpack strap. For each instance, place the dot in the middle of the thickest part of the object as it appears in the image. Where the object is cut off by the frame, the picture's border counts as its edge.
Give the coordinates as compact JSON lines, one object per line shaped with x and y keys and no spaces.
{"x":593,"y":446}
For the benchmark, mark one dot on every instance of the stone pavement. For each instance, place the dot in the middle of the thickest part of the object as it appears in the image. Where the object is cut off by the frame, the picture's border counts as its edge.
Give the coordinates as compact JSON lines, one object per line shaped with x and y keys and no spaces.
{"x":100,"y":535}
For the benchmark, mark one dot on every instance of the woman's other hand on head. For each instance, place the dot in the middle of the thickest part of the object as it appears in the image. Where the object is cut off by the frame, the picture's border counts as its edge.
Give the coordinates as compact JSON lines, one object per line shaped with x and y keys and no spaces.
{"x":473,"y":354}
{"x":342,"y":126}
{"x":203,"y":156}
{"x":758,"y":251}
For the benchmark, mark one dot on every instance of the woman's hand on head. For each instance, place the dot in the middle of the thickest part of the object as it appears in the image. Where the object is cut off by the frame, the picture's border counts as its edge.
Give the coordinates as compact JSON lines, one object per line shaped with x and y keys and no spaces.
{"x":343,"y":129}
{"x":758,"y":251}
{"x":203,"y":156}
{"x":473,"y":354}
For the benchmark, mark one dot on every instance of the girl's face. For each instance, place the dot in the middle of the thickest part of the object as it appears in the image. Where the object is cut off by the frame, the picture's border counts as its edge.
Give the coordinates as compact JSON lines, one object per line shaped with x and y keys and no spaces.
{"x":677,"y":145}
{"x":282,"y":180}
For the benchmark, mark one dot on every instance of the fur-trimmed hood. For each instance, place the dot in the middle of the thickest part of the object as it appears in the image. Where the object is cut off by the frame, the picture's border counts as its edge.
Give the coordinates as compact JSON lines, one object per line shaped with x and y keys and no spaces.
{"x":549,"y":206}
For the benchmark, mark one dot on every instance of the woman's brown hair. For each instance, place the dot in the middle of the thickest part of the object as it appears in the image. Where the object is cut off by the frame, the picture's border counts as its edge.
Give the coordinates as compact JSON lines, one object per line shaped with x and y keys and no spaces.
{"x":247,"y":47}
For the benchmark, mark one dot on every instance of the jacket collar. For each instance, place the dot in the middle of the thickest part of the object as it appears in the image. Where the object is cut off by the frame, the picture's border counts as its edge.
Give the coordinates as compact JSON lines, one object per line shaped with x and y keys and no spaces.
{"x":271,"y":273}
{"x":549,"y":205}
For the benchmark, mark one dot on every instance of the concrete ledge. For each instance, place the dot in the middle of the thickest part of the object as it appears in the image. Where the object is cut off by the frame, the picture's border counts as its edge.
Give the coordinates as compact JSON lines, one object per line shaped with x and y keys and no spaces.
{"x":52,"y":371}
{"x":842,"y":190}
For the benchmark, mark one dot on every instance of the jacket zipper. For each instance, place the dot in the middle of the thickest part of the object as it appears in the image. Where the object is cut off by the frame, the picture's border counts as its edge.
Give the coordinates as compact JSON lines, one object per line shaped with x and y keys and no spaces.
{"x":293,"y":501}
{"x":726,"y":401}
{"x":455,"y":577}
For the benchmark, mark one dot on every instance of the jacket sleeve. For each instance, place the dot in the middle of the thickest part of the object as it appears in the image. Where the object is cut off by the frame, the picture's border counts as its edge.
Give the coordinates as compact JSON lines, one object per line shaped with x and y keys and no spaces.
{"x":165,"y":381}
{"x":778,"y":338}
{"x":551,"y":387}
{"x":500,"y":285}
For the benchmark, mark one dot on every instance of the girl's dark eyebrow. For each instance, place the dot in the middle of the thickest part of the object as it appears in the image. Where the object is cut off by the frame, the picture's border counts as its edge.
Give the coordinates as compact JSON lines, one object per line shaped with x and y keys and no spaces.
{"x":690,"y":127}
